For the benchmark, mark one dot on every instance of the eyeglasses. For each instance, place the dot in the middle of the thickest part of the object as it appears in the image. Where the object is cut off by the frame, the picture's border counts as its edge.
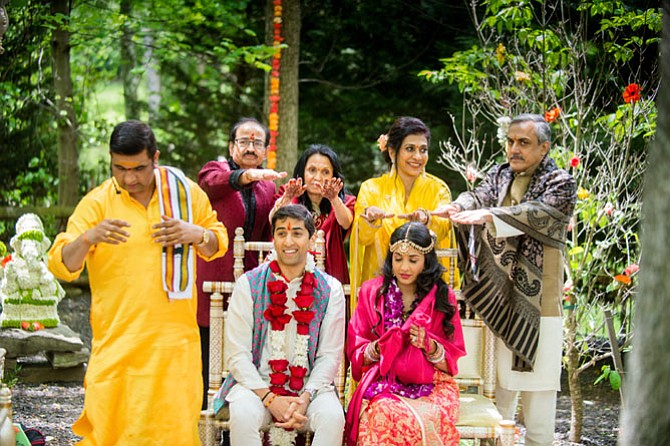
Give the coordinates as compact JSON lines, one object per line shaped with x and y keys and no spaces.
{"x":243,"y":143}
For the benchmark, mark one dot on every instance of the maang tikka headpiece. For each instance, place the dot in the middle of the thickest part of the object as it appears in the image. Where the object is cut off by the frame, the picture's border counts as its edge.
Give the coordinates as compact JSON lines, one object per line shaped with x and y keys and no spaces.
{"x":403,"y":245}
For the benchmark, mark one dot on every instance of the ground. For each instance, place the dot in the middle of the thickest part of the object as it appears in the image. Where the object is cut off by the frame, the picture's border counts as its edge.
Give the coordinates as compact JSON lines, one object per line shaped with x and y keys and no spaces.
{"x":53,"y":407}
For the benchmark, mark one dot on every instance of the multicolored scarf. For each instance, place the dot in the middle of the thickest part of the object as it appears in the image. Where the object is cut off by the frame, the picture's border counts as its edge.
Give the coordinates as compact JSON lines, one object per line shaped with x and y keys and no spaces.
{"x":174,"y":198}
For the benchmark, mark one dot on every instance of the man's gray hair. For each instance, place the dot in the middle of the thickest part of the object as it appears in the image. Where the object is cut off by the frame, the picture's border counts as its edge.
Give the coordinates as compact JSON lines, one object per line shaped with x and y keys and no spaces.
{"x":542,"y":129}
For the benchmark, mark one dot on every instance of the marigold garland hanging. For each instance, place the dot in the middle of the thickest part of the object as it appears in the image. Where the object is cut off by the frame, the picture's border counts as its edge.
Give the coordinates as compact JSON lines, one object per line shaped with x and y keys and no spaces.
{"x":273,"y":118}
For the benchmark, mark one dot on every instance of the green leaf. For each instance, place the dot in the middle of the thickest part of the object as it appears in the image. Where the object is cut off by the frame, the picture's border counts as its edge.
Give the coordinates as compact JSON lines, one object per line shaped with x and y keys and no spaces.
{"x":615,"y":380}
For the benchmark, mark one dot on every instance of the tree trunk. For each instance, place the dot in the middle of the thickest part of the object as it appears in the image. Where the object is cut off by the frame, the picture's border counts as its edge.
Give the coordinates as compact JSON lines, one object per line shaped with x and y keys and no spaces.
{"x":287,"y":141}
{"x":68,"y":157}
{"x":645,"y":417}
{"x":153,"y":78}
{"x":129,"y":62}
{"x":572,"y":359}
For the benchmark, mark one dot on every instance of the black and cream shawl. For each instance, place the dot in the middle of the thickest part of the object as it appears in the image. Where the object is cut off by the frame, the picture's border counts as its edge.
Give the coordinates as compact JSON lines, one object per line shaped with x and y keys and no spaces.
{"x":504,"y":285}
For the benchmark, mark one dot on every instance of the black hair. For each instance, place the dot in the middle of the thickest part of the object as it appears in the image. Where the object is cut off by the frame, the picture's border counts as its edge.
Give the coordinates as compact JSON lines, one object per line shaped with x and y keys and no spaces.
{"x":299,"y":172}
{"x":296,"y":211}
{"x":132,"y":137}
{"x":431,"y":274}
{"x":403,"y":126}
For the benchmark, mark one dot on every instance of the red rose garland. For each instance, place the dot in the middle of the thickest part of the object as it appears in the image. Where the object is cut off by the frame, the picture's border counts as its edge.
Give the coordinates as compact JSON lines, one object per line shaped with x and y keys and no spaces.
{"x":276,"y":315}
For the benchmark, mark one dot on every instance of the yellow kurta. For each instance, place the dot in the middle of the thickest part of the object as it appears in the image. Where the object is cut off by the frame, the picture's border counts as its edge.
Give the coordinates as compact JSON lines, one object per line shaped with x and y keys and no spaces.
{"x":369,"y":244}
{"x":143,"y":381}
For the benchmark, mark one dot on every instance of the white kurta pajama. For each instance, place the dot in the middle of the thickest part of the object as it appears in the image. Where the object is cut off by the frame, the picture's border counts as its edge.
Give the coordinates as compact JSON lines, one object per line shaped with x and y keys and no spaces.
{"x":247,"y":413}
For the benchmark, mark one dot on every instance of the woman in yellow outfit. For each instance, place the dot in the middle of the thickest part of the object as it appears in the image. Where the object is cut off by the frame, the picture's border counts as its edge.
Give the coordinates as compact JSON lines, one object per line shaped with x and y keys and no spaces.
{"x":404,"y":193}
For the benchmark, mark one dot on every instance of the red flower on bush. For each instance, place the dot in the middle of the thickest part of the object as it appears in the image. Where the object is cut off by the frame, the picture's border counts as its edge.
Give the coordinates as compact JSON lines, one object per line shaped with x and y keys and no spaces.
{"x":632,"y":93}
{"x":6,"y":260}
{"x":631,"y":269}
{"x":574,"y":161}
{"x":551,"y":115}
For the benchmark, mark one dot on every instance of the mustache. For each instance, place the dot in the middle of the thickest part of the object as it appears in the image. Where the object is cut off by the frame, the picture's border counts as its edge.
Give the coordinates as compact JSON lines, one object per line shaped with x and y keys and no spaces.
{"x":249,"y":152}
{"x":517,"y":157}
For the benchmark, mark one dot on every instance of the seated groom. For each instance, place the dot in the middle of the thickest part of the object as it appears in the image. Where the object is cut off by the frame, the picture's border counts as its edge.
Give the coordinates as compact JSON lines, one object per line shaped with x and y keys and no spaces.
{"x":284,"y":337}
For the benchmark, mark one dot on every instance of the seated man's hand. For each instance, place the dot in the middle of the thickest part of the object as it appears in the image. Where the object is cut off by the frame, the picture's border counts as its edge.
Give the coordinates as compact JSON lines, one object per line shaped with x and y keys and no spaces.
{"x":295,"y":415}
{"x":283,"y":408}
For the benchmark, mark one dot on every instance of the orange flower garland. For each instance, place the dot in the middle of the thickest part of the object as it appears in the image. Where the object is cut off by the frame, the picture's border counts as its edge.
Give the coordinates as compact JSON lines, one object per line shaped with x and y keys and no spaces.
{"x":273,"y":119}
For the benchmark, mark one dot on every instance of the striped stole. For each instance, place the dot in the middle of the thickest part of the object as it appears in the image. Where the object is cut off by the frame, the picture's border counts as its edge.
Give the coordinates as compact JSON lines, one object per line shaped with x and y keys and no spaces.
{"x":174,"y":198}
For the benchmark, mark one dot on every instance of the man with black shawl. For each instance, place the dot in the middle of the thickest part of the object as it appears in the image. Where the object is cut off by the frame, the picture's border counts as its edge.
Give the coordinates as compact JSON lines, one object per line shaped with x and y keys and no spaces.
{"x":511,"y":234}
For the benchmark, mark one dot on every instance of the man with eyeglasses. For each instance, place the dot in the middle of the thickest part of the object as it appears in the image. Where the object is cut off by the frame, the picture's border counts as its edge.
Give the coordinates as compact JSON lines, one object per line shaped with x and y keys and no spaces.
{"x":241,"y":192}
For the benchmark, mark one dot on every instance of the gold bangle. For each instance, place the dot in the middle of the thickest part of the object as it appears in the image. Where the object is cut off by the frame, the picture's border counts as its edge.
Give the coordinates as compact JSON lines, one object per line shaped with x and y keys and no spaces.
{"x":425,"y":214}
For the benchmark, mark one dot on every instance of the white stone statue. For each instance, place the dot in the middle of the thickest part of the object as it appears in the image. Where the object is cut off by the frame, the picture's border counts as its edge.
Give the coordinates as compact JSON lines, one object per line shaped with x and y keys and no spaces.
{"x":29,"y":292}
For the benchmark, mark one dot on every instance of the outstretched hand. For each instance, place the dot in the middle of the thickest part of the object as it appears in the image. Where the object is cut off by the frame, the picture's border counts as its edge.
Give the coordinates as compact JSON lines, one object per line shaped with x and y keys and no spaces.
{"x":476,"y":217}
{"x":373,"y":213}
{"x":264,"y":175}
{"x":330,"y":188}
{"x":446,"y":211}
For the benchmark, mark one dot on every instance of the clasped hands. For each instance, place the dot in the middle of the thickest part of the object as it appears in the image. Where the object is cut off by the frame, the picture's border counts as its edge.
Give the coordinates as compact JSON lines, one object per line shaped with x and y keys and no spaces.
{"x":289,"y":411}
{"x":169,"y":232}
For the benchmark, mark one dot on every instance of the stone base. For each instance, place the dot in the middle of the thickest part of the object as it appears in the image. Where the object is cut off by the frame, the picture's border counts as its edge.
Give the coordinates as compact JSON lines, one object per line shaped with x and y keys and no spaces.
{"x":63,"y":360}
{"x":20,"y":343}
{"x":37,"y":370}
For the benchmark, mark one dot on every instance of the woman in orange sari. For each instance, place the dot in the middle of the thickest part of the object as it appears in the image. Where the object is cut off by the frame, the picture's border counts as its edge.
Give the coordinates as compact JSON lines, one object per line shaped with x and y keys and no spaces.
{"x":404,"y":341}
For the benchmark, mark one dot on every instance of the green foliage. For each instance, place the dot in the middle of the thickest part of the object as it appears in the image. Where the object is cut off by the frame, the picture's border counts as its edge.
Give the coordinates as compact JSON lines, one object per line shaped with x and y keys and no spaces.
{"x":612,"y":376}
{"x":536,"y":56}
{"x":27,"y":140}
{"x":358,"y":69}
{"x":12,"y":377}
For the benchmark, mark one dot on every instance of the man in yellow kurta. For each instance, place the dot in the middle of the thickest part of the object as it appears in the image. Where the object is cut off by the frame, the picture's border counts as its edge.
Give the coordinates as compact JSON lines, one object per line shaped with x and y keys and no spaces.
{"x":138,"y":233}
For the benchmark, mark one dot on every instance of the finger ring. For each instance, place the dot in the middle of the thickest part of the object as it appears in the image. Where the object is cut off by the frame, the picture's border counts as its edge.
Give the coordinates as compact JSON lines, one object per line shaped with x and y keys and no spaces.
{"x":107,"y":234}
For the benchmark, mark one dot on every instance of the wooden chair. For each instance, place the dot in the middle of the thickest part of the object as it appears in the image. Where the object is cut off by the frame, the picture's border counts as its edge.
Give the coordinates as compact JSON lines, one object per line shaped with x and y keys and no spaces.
{"x":6,"y":426}
{"x":478,"y":416}
{"x":208,"y":425}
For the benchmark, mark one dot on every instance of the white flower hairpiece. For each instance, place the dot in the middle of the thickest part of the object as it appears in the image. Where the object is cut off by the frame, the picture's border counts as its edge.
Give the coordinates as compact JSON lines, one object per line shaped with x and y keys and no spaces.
{"x":382,"y":141}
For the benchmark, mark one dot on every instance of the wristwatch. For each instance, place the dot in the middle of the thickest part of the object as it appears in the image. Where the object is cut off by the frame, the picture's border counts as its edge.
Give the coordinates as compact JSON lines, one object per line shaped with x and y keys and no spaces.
{"x":312,"y":394}
{"x":205,"y":238}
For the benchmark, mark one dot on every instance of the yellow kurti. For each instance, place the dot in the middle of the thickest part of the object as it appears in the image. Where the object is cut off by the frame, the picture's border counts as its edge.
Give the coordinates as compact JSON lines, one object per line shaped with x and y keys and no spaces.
{"x":369,"y":244}
{"x":143,"y":381}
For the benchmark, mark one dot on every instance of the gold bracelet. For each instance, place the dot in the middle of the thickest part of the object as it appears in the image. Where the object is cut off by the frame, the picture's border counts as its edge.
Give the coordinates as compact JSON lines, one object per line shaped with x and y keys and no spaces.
{"x":425,"y":214}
